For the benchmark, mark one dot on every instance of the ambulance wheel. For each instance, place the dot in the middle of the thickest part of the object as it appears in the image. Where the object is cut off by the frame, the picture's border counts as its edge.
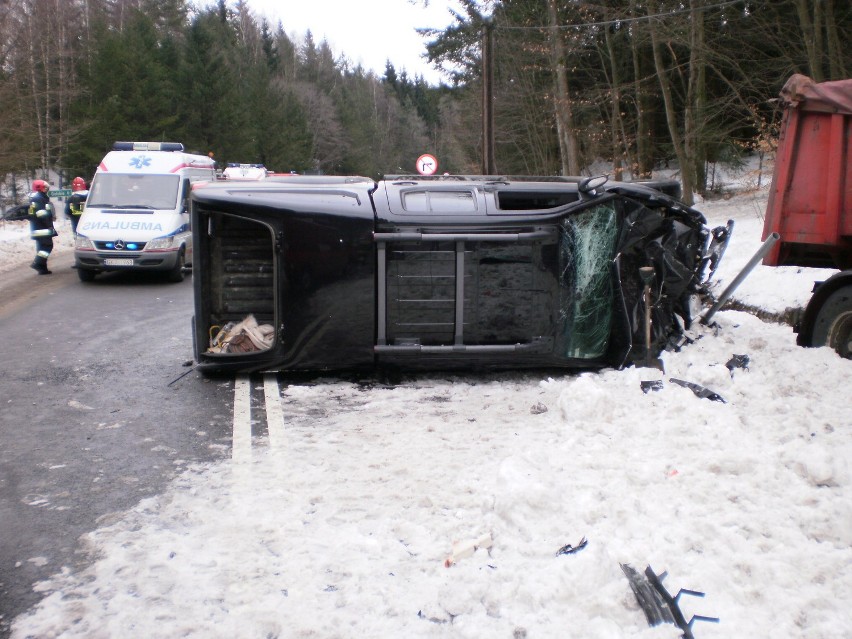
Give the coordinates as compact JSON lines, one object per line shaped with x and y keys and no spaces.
{"x":177,"y":273}
{"x":86,"y":276}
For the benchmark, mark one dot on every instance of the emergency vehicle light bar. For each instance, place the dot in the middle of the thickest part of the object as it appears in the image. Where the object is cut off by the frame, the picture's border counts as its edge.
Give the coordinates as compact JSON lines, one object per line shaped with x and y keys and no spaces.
{"x":147,"y":146}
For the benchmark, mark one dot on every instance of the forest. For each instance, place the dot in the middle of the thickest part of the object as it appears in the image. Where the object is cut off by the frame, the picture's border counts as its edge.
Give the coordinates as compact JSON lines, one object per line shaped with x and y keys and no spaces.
{"x":567,"y":84}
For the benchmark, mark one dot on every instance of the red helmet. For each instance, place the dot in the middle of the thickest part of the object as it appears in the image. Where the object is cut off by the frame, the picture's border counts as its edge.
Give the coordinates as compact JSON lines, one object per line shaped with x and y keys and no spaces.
{"x":78,"y":184}
{"x":40,"y":185}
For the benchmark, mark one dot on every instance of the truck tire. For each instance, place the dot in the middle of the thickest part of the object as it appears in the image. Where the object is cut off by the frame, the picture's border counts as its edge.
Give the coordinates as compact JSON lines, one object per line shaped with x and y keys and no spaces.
{"x":85,"y":275}
{"x":833,"y":325}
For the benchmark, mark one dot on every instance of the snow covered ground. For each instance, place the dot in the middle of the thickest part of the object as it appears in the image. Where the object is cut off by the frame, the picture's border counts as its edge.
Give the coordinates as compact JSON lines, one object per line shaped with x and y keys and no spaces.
{"x":16,"y":247}
{"x":436,"y":508}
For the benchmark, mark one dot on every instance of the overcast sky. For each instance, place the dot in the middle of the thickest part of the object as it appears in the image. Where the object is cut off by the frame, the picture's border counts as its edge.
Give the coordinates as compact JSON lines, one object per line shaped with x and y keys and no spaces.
{"x":369,"y":33}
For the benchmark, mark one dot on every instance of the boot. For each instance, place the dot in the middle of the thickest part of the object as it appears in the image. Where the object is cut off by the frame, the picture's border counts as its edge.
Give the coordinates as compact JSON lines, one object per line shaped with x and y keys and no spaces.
{"x":40,"y":265}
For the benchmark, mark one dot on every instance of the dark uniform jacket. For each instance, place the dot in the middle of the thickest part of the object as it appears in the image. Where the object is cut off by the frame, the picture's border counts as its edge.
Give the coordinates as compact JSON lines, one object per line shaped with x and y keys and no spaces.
{"x":41,"y":216}
{"x":76,"y":203}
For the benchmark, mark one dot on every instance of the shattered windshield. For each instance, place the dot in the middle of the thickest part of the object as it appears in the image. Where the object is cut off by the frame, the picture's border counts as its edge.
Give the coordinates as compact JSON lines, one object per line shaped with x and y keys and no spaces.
{"x":146,"y":191}
{"x":586,"y":250}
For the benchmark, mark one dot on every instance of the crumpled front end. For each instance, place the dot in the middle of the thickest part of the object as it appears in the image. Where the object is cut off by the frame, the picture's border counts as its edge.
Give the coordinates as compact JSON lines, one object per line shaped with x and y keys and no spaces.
{"x":674,"y":241}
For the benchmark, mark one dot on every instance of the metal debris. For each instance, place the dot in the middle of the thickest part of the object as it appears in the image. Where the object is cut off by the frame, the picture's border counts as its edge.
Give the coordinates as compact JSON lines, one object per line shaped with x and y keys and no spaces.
{"x":656,"y":602}
{"x":737,"y":361}
{"x":700,"y":391}
{"x":651,"y":385}
{"x":568,"y":549}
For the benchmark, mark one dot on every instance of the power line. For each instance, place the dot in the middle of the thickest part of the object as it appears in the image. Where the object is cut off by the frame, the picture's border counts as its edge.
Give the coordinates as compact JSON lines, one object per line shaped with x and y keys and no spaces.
{"x":608,"y":23}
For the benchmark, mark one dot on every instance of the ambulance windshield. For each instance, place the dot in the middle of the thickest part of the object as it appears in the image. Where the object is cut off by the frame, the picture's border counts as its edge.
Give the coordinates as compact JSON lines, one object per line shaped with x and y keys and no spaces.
{"x":124,"y":191}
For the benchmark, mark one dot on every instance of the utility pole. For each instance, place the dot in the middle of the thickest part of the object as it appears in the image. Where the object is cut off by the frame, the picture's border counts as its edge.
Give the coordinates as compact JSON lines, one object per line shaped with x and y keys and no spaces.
{"x":489,"y":165}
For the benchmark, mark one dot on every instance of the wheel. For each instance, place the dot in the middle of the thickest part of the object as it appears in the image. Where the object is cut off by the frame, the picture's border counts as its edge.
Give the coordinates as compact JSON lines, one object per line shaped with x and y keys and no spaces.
{"x":177,"y":273}
{"x":86,"y":276}
{"x":833,"y":325}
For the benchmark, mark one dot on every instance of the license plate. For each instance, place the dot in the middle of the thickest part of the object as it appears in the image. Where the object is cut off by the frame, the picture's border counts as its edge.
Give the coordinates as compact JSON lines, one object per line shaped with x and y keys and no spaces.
{"x":113,"y":262}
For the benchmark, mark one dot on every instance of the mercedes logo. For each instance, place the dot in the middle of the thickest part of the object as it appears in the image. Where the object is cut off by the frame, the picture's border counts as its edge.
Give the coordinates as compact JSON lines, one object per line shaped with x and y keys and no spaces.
{"x":119,"y":245}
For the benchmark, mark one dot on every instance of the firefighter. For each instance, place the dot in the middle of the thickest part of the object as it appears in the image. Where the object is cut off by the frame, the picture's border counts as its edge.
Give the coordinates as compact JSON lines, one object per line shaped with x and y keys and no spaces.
{"x":77,"y":202}
{"x":41,"y":218}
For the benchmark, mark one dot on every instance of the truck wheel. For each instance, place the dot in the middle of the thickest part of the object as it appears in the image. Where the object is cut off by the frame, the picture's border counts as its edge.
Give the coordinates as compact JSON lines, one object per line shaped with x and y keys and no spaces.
{"x":86,"y":276}
{"x":833,"y":325}
{"x":177,"y":274}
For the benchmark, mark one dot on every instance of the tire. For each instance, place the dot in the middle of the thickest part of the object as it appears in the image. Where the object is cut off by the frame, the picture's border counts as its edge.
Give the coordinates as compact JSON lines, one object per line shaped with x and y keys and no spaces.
{"x":86,"y":276}
{"x":833,"y":325}
{"x":177,"y":273}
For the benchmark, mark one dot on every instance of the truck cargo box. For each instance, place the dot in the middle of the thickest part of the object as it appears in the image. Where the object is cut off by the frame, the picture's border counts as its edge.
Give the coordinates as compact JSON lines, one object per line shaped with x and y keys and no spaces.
{"x":810,"y":202}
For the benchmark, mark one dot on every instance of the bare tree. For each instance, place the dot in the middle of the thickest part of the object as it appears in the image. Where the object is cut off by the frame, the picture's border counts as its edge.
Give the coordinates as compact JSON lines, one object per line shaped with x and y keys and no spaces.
{"x":643,"y":128}
{"x":663,"y":71}
{"x":329,"y":137}
{"x":810,"y":21}
{"x":562,"y":106}
{"x":618,"y":138}
{"x":42,"y":60}
{"x":837,"y":51}
{"x":695,"y":103}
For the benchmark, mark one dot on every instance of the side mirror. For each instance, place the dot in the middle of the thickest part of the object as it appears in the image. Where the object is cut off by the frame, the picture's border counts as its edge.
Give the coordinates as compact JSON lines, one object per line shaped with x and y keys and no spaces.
{"x":589,"y":186}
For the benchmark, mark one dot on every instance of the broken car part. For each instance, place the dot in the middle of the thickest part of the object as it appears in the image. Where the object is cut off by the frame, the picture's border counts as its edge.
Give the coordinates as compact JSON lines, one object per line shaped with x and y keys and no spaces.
{"x":700,"y":391}
{"x":656,"y":602}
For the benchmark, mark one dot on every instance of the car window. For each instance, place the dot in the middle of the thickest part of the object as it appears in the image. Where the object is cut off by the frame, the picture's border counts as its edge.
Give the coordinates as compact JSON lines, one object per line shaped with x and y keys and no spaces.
{"x":524,"y":200}
{"x":130,"y":190}
{"x":438,"y":202}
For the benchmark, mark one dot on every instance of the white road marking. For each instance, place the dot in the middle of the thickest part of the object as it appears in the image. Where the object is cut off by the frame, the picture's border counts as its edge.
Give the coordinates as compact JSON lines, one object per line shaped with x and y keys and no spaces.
{"x":242,"y":419}
{"x":274,"y":414}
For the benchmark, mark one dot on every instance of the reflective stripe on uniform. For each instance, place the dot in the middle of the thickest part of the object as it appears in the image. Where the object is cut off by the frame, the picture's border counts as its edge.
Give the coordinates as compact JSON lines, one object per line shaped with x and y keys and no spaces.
{"x":44,"y":254}
{"x":42,"y":233}
{"x":42,"y":213}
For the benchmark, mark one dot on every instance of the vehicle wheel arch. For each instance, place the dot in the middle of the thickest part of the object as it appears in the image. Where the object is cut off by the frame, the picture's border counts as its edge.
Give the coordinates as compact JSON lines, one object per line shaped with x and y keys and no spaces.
{"x":177,"y":273}
{"x":824,"y":291}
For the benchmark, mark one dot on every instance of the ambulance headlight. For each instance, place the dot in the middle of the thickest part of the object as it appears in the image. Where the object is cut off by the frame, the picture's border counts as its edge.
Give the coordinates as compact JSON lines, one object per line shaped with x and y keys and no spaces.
{"x":83,"y":243}
{"x":159,"y":243}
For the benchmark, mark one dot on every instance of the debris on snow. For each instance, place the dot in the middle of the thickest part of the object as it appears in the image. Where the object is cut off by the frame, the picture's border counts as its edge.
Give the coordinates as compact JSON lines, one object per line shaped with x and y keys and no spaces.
{"x":568,"y":549}
{"x":700,"y":391}
{"x":651,"y":385}
{"x":737,"y":361}
{"x":466,"y":548}
{"x":538,"y":408}
{"x":658,"y":605}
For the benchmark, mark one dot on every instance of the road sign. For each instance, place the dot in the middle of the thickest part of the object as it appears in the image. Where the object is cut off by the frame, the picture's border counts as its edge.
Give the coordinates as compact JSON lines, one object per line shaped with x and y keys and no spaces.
{"x":427,"y":164}
{"x":59,"y":193}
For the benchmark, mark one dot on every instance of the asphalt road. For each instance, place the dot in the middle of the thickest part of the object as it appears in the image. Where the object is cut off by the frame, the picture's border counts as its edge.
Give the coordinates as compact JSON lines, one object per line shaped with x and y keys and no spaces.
{"x":100,"y":408}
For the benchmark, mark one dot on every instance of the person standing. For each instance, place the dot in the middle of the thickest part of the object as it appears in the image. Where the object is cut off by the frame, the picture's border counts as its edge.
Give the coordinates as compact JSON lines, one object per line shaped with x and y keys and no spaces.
{"x":41,"y":218}
{"x":77,"y":202}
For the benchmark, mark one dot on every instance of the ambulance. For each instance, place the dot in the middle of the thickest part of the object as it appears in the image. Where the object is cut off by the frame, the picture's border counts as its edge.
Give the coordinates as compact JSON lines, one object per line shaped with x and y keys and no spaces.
{"x":137,"y":212}
{"x":235,"y":171}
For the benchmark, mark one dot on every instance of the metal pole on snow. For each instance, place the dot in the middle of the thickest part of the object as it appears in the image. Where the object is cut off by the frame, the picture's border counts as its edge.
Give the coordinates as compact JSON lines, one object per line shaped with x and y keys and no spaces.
{"x":726,"y":294}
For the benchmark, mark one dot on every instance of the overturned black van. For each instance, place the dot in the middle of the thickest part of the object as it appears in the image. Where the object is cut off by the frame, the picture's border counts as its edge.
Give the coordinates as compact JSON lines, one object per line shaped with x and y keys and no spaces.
{"x":451,"y":272}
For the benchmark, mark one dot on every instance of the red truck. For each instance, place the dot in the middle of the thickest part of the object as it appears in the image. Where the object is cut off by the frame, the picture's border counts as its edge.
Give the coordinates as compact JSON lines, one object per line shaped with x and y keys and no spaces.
{"x":810,"y":204}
